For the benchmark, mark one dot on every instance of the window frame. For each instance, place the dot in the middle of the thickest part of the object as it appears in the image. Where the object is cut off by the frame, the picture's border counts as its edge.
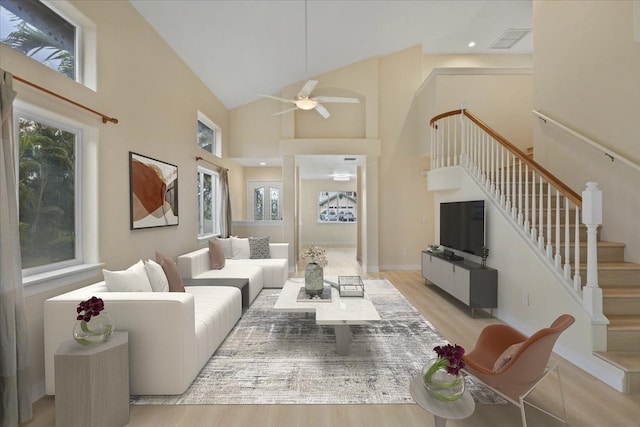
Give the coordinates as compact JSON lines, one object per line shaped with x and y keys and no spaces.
{"x":26,"y":114}
{"x":216,"y":213}
{"x":85,"y":42}
{"x":86,"y":264}
{"x":216,"y":148}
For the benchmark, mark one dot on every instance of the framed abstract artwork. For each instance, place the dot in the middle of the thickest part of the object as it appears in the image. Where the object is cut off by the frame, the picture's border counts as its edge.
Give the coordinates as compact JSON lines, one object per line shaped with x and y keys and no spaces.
{"x":337,"y":207}
{"x":153,"y":192}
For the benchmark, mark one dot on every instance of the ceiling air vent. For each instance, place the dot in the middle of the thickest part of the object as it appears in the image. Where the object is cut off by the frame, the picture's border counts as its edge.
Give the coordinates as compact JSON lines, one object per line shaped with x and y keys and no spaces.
{"x":509,"y":38}
{"x":349,"y":159}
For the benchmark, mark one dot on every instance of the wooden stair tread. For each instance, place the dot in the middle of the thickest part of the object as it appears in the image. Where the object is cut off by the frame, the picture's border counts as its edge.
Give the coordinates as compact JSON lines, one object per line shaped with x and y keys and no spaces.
{"x":621,"y":292}
{"x":621,"y":322}
{"x":614,"y":266}
{"x":629,"y":361}
{"x":599,"y":243}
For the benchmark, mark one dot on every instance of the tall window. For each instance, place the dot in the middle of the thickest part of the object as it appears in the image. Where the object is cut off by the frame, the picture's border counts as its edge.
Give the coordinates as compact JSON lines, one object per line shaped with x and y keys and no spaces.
{"x":264,"y":200}
{"x":208,"y":183}
{"x":32,"y":28}
{"x":209,"y":135}
{"x":48,"y":193}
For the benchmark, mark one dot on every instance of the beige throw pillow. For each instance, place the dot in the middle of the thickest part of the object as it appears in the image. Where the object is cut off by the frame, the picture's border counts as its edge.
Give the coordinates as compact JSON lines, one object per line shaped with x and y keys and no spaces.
{"x":216,"y":255}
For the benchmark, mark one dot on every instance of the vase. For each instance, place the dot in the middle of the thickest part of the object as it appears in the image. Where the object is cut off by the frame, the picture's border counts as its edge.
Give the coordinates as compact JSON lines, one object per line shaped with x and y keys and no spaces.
{"x":95,"y":331}
{"x":441,"y":384}
{"x":313,"y":279}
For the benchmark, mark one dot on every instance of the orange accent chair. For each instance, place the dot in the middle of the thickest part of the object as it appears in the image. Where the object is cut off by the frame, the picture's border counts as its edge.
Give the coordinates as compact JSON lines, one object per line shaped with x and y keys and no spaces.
{"x":513,"y":364}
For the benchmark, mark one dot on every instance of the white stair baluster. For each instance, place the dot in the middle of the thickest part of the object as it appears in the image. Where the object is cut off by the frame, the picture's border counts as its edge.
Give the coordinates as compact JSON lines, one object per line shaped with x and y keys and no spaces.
{"x":558,"y":257}
{"x":577,"y":280}
{"x":567,"y":240}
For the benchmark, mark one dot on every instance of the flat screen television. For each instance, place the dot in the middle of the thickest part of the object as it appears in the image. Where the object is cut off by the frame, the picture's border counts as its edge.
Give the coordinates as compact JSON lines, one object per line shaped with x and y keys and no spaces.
{"x":462,"y":226}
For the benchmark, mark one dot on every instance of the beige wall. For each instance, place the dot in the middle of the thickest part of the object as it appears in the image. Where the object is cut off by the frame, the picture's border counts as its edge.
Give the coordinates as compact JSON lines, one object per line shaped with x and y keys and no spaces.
{"x":155,"y":97}
{"x":311,"y":231}
{"x":587,"y":79}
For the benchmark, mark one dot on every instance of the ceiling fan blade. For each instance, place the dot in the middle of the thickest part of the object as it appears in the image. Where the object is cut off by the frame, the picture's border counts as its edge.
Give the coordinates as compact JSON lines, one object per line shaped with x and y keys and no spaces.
{"x":323,"y":111}
{"x":337,"y":99}
{"x":307,"y":88}
{"x":288,"y":110}
{"x":276,"y":98}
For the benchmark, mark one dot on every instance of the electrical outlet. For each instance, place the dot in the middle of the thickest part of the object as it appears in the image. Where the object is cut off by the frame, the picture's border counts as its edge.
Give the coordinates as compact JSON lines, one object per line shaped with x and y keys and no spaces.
{"x":405,"y":252}
{"x":525,"y":298}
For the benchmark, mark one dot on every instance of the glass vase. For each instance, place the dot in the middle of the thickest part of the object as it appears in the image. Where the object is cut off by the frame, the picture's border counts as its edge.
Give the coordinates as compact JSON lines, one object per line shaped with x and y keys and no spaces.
{"x":313,"y":279}
{"x":441,"y":384}
{"x":95,"y":331}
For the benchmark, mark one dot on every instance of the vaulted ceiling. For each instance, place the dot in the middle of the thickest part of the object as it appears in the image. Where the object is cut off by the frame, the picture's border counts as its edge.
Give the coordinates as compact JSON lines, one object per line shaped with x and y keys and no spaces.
{"x":239,"y":48}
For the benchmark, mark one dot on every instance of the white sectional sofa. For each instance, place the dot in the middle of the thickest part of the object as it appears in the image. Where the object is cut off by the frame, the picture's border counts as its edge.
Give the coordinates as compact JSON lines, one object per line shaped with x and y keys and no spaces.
{"x":171,"y":334}
{"x":268,"y":272}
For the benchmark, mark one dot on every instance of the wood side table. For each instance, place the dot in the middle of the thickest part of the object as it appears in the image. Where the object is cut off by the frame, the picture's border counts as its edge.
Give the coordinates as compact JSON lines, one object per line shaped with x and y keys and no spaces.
{"x":92,"y":383}
{"x":442,"y":411}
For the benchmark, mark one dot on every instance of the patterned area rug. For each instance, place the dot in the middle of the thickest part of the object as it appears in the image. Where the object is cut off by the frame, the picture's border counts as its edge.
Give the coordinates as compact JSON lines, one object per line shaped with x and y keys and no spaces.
{"x":285,"y":358}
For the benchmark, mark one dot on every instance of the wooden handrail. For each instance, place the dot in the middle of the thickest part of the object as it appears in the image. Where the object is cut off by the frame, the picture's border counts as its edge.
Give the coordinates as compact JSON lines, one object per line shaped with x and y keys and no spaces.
{"x":443,"y":115}
{"x":564,"y":189}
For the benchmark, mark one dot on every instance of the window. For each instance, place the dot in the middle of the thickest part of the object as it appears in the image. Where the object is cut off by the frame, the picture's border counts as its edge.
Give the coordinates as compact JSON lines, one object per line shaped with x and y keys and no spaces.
{"x":39,"y":32}
{"x":48,"y":169}
{"x":209,"y":135}
{"x":208,"y":203}
{"x":264,"y":201}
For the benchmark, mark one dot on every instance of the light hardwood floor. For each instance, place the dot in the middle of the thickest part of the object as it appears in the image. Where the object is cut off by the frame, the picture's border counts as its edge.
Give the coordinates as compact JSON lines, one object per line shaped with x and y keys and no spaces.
{"x":589,"y":402}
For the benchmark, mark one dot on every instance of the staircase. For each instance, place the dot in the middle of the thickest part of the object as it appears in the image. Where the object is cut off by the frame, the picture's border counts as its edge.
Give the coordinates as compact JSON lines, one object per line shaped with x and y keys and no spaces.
{"x":522,"y":186}
{"x":620,"y":283}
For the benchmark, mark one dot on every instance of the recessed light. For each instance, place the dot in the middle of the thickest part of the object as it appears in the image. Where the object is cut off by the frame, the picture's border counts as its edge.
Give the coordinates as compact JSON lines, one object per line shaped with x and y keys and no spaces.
{"x":471,"y":44}
{"x":263,"y":163}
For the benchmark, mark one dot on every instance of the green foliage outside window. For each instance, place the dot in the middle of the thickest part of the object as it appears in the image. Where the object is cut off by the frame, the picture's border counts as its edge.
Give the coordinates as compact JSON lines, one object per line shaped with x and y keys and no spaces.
{"x":46,"y":194}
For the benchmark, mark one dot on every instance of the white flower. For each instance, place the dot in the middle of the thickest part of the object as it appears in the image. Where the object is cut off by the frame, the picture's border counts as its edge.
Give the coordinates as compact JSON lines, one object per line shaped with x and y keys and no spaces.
{"x":315,"y":254}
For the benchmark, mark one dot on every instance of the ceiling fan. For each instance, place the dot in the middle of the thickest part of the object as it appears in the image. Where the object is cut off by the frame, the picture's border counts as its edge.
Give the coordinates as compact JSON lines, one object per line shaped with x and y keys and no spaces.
{"x":304,"y":100}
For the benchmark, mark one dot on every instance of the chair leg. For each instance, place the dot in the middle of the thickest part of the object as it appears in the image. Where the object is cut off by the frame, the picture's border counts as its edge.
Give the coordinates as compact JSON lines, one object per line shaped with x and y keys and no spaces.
{"x":521,"y":400}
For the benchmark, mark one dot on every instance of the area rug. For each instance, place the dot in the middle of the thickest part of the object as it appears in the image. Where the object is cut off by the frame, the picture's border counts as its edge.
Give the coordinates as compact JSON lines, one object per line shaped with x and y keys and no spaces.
{"x":285,"y":358}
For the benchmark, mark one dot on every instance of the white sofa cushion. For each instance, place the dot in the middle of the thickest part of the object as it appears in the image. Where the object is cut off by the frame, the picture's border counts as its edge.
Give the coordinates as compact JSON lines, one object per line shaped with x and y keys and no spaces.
{"x":274,"y":270}
{"x":239,"y":269}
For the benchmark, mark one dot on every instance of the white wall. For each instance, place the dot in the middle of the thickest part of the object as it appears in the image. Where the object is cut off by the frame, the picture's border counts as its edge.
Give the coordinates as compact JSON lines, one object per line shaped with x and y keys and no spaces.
{"x":587,"y":79}
{"x":324,"y":234}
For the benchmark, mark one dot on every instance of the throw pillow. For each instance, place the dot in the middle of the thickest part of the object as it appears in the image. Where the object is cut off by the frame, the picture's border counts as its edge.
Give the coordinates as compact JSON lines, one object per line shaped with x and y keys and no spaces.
{"x":216,"y":255}
{"x":133,"y":279}
{"x":226,"y":246}
{"x":171,"y":271}
{"x":259,"y":248}
{"x":506,"y":356}
{"x":157,"y":278}
{"x":240,"y":248}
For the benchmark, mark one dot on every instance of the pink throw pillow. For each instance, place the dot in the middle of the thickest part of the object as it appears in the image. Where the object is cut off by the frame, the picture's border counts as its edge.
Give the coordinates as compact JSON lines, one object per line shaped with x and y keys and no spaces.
{"x":216,"y":255}
{"x":171,"y":271}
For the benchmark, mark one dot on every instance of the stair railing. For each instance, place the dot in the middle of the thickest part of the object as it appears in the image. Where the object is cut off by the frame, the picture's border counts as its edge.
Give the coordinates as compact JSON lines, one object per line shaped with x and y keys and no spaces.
{"x":547,"y":211}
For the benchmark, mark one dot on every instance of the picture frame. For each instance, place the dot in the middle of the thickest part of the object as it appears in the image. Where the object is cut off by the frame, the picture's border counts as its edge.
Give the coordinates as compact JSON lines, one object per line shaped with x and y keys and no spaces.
{"x":153,"y":192}
{"x":337,"y":207}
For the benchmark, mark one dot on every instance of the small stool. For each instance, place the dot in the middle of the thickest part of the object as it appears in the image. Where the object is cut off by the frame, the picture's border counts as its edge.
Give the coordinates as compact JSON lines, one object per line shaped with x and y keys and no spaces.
{"x":92,"y":383}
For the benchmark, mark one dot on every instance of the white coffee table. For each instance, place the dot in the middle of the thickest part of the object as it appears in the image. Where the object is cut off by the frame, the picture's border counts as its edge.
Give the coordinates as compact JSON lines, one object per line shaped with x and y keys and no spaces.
{"x":340,"y":312}
{"x":442,"y":411}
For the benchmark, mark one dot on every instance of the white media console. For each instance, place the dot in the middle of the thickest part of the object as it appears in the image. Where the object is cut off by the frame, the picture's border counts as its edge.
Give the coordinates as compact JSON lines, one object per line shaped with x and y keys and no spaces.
{"x":465,"y":280}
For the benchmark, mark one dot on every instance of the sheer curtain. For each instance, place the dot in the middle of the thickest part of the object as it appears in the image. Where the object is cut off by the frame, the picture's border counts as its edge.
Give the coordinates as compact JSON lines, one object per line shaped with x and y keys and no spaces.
{"x":15,"y":399}
{"x":225,"y":208}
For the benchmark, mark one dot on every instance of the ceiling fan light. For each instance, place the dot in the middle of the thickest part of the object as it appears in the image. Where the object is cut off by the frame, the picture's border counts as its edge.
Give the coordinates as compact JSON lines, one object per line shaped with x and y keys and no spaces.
{"x":306,"y":103}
